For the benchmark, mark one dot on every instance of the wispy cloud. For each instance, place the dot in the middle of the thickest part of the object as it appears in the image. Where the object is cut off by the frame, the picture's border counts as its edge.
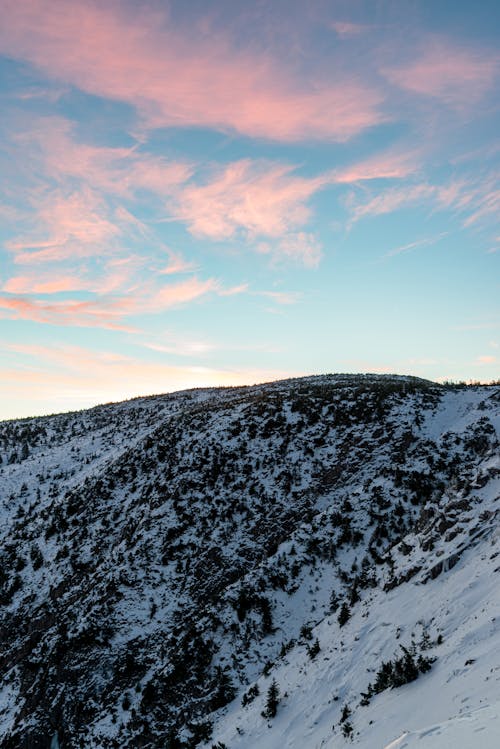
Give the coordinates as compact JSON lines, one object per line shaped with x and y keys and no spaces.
{"x":475,"y":199}
{"x":33,"y":284}
{"x":102,"y":313}
{"x":392,"y":164}
{"x":256,"y":202}
{"x":183,"y":347}
{"x":51,"y":143}
{"x":486,"y":359}
{"x":425,"y":242}
{"x":241,"y":288}
{"x":349,"y":29}
{"x":256,"y":198}
{"x":456,"y":75}
{"x":66,"y":226}
{"x":195,"y":348}
{"x":105,"y":311}
{"x":177,"y":264}
{"x":301,"y":248}
{"x":86,"y":213}
{"x":172,"y":295}
{"x":281,"y":297}
{"x":128,"y":53}
{"x":113,"y":275}
{"x":389,"y":200}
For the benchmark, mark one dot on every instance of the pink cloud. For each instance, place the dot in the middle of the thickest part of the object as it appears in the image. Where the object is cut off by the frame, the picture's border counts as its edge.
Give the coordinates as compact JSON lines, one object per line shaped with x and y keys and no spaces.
{"x":281,"y":297}
{"x":488,"y":205}
{"x":67,"y":226}
{"x":173,"y":295}
{"x":388,"y":165}
{"x":478,"y":199}
{"x":452,"y":194}
{"x":104,"y":312}
{"x":242,"y":288}
{"x":390,"y":200}
{"x":299,"y":247}
{"x":79,"y":313}
{"x":247,"y":198}
{"x":114,"y":275}
{"x":118,"y":274}
{"x":257,"y":198}
{"x":35,"y":285}
{"x":177,"y":264}
{"x":177,"y":77}
{"x":456,"y":75}
{"x":347,"y":29}
{"x":51,"y":143}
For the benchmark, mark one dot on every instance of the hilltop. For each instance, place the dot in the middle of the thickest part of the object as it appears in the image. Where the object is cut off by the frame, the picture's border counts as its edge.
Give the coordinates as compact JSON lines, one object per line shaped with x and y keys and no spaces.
{"x":165,"y":560}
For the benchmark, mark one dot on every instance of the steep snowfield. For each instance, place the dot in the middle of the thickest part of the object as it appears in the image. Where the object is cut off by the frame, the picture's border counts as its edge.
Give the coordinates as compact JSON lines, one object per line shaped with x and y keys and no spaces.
{"x":162,"y":557}
{"x":480,"y":728}
{"x":455,"y":701}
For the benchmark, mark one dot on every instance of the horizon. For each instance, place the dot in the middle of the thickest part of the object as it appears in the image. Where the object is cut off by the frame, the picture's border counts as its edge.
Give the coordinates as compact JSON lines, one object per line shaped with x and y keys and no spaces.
{"x":450,"y":384}
{"x":198,"y":196}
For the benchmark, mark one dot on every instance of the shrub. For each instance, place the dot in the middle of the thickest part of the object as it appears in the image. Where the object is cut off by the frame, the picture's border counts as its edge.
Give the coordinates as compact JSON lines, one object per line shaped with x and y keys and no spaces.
{"x":313,"y":650}
{"x":250,"y":695}
{"x":397,"y":672}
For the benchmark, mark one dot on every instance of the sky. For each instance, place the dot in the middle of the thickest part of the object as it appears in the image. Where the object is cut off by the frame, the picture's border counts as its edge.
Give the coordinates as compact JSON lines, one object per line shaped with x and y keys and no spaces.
{"x":197,"y":194}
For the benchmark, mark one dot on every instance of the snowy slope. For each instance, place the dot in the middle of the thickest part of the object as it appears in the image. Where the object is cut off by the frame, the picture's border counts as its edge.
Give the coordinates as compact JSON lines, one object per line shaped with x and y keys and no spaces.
{"x":450,"y":701}
{"x":164,"y":557}
{"x":454,"y":705}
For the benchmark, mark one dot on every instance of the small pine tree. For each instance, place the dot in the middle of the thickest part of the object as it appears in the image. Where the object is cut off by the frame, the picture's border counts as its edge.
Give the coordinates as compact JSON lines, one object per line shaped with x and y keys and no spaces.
{"x":272,"y":700}
{"x":345,"y":614}
{"x":267,"y":617}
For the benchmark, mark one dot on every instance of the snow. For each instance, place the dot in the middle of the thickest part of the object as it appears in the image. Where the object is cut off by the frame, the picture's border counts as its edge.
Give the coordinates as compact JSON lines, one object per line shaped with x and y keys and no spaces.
{"x":452,"y":594}
{"x":451,"y":699}
{"x":479,"y":728}
{"x":453,"y":705}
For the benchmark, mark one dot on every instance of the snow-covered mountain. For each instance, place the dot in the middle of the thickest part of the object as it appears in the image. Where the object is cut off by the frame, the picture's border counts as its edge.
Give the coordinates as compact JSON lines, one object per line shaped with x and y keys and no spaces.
{"x":309,"y":563}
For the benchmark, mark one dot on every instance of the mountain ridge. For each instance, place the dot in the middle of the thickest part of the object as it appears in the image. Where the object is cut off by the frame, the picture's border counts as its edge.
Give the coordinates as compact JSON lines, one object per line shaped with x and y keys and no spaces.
{"x":169,"y":548}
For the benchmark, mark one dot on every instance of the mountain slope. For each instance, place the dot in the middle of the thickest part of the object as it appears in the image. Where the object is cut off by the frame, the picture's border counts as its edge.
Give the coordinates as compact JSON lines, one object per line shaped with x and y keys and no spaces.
{"x":162,"y":557}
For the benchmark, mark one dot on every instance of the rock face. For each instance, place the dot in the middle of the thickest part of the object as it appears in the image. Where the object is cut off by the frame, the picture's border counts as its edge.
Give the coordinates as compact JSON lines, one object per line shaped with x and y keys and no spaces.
{"x":162,"y":557}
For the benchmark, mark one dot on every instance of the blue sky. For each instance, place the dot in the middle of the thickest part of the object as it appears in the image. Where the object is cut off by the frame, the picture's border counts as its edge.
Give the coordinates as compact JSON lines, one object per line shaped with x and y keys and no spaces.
{"x":199,"y":194}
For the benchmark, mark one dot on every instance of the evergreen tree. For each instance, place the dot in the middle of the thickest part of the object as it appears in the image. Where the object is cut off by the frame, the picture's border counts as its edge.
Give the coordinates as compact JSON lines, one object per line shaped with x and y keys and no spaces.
{"x":344,"y":615}
{"x":272,"y":700}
